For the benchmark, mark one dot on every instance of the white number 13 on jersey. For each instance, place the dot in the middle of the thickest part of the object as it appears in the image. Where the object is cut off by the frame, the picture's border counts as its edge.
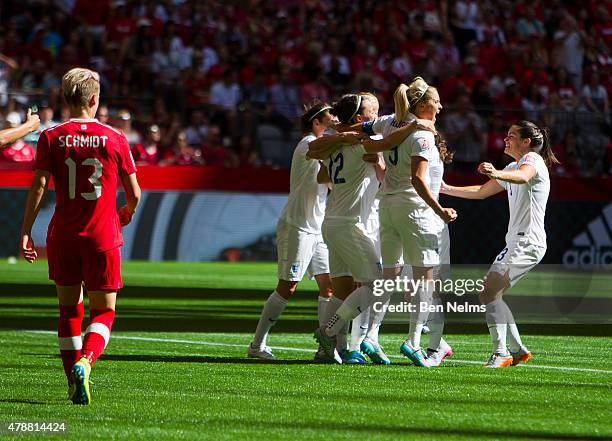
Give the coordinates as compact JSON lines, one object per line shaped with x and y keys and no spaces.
{"x":94,"y":179}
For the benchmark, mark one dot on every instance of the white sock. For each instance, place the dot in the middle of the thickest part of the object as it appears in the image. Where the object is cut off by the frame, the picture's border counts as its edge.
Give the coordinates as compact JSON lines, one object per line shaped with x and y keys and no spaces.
{"x":435,"y":322}
{"x":419,"y":318}
{"x":321,"y":310}
{"x":332,"y":306}
{"x":497,"y":321}
{"x":342,"y":338}
{"x":514,"y":338}
{"x":273,"y":308}
{"x":377,"y":317}
{"x":353,"y":305}
{"x":359,"y":329}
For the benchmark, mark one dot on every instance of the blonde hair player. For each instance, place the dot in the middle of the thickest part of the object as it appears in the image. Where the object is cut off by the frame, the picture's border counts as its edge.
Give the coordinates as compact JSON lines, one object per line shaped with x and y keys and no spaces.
{"x":527,"y":183}
{"x":353,"y":253}
{"x":300,"y":245}
{"x":409,"y":210}
{"x":85,"y":158}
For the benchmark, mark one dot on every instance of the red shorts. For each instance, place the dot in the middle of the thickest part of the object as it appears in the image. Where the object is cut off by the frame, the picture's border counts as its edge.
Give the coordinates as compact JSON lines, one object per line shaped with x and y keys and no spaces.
{"x":71,"y":263}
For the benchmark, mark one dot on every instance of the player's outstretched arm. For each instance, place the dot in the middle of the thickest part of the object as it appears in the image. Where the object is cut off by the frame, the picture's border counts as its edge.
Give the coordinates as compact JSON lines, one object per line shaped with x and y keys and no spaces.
{"x":8,"y":136}
{"x":325,"y":145}
{"x":398,"y":136}
{"x":33,"y":203}
{"x":419,"y":170}
{"x":521,"y":176}
{"x":473,"y":191}
{"x":132,"y":197}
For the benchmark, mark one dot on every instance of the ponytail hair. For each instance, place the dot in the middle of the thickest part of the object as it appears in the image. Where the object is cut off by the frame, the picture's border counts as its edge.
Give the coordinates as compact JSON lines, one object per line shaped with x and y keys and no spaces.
{"x":446,"y":156}
{"x":540,"y":140}
{"x":400,"y":99}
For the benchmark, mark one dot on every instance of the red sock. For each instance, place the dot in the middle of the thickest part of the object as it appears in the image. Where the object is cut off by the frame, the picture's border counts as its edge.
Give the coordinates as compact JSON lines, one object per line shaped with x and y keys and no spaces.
{"x":69,"y":336}
{"x":97,"y":333}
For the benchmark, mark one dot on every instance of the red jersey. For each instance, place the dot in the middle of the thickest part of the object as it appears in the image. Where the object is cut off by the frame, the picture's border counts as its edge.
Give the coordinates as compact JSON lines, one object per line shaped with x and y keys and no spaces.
{"x":85,"y":159}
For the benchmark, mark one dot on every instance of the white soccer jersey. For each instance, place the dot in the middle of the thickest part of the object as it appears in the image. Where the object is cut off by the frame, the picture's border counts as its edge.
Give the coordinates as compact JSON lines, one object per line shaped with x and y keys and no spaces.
{"x":305,"y":207}
{"x":398,"y":177}
{"x":354,"y":185}
{"x":527,"y":202}
{"x":385,"y":125}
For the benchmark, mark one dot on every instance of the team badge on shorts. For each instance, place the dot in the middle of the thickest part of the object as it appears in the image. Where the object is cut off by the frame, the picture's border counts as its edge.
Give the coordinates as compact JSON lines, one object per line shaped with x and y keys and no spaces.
{"x":295,"y":269}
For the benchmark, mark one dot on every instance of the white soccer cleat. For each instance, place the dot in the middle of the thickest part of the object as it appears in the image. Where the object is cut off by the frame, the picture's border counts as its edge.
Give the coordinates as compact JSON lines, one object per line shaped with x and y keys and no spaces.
{"x":497,"y":361}
{"x":264,"y":353}
{"x":436,"y":357}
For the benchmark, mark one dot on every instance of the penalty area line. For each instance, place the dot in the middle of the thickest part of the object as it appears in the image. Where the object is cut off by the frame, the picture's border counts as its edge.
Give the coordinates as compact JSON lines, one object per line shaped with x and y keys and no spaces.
{"x":312,"y":351}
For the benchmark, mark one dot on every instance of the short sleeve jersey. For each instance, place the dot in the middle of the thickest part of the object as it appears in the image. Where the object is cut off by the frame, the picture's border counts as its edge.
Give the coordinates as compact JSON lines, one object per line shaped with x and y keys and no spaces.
{"x":398,"y":178}
{"x":385,"y":125}
{"x":305,"y":207}
{"x":354,"y":186}
{"x":527,"y":202}
{"x":85,"y":159}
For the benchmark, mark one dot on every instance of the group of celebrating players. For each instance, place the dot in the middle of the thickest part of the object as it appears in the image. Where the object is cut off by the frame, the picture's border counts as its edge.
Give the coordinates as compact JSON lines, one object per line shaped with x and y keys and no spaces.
{"x":363,"y":204}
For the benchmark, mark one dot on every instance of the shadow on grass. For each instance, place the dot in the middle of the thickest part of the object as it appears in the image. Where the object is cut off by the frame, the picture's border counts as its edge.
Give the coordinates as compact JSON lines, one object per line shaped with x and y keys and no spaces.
{"x":199,"y":359}
{"x":409,"y":432}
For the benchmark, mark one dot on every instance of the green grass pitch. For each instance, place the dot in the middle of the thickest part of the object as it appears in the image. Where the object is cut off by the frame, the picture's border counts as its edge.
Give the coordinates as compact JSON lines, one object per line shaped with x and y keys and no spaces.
{"x":176,"y":369}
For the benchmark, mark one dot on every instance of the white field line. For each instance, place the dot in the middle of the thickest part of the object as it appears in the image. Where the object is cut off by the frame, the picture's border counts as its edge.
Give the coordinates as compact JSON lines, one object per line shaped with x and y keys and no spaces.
{"x":285,"y":348}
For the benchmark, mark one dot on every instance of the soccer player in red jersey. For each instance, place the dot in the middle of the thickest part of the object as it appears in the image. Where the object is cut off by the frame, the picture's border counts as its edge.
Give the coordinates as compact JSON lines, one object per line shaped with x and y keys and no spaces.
{"x":85,"y":158}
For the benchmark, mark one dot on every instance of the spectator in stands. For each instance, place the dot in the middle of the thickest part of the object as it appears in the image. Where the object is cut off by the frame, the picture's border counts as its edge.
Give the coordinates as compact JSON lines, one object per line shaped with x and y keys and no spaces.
{"x":197,"y":130}
{"x":215,"y":152}
{"x":7,"y":67}
{"x":466,"y":135}
{"x":285,"y":102}
{"x":529,"y":26}
{"x":18,"y":151}
{"x":464,"y":22}
{"x":184,"y":154}
{"x":124,"y":123}
{"x":248,"y":156}
{"x":533,"y":103}
{"x":149,"y":151}
{"x":103,"y":114}
{"x":496,"y":135}
{"x":567,"y":154}
{"x":569,"y":47}
{"x":595,"y":98}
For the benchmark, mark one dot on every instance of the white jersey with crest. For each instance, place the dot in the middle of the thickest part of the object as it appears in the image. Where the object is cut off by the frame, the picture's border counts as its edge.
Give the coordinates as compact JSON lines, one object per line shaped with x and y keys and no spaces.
{"x":385,"y":125}
{"x":398,"y":176}
{"x":527,"y":202}
{"x":305,"y":208}
{"x":354,"y":186}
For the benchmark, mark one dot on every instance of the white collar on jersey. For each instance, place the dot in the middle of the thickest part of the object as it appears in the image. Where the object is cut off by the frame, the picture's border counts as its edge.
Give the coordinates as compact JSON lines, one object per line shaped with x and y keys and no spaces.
{"x":83,"y":119}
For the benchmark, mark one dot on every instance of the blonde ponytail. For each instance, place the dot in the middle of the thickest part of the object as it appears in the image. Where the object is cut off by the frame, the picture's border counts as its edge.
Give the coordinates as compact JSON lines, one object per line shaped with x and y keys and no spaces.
{"x":400,"y":99}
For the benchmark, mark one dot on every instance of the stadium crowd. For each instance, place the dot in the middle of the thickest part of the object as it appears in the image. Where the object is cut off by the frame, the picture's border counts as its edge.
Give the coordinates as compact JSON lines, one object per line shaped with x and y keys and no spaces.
{"x":222,"y":83}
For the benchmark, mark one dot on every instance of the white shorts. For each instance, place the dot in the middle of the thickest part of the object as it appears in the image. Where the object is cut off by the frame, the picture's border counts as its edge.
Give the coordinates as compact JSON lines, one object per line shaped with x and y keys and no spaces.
{"x":442,"y":271}
{"x":517,"y":259}
{"x":298,"y":252}
{"x":352,"y":252}
{"x":409,"y":231}
{"x":372,"y":228}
